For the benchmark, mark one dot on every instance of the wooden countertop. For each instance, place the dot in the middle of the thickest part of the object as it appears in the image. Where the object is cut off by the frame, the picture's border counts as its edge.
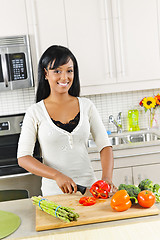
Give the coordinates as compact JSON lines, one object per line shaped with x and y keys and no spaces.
{"x":135,"y":228}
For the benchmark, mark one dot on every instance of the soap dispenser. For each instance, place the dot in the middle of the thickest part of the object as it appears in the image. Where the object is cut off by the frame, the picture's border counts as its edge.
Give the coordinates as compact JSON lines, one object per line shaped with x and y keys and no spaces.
{"x":133,"y":117}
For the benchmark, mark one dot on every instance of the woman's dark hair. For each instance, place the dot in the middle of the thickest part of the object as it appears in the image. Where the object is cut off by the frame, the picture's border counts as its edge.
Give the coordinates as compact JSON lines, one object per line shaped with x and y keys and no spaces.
{"x":61,"y":55}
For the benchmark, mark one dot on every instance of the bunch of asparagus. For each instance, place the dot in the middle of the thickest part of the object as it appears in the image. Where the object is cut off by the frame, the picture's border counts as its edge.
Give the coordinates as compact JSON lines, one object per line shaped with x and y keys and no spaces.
{"x":64,"y":213}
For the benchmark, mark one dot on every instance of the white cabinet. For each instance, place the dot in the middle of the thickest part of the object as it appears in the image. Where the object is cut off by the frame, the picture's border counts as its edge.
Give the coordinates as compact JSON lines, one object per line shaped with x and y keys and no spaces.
{"x":137,"y":44}
{"x":49,"y":20}
{"x":86,"y":30}
{"x":13,"y":20}
{"x":121,"y":175}
{"x":46,"y":24}
{"x":131,"y":165}
{"x":148,"y":171}
{"x":46,"y":21}
{"x":116,"y":43}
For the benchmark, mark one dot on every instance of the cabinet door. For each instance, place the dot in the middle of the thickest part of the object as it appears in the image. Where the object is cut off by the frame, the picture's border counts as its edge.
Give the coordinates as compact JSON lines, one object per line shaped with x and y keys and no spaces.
{"x":87,"y":38}
{"x":13,"y":19}
{"x":121,"y":175}
{"x":148,"y":171}
{"x":136,"y":40}
{"x":50,"y":22}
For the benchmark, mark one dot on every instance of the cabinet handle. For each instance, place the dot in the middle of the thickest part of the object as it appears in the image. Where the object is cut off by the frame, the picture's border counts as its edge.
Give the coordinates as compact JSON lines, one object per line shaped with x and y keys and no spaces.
{"x":35,"y":29}
{"x":108,"y":40}
{"x":139,"y":178}
{"x":126,"y":180}
{"x":121,"y":39}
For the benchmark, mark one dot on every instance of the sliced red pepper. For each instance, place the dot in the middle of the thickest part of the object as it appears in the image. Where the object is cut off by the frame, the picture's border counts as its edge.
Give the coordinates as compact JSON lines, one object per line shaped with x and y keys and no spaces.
{"x":100,"y":189}
{"x":87,"y":201}
{"x":82,"y":200}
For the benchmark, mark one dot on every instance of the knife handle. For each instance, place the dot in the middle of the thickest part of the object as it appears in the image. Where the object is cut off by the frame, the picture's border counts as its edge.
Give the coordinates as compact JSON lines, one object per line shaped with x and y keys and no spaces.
{"x":80,"y":188}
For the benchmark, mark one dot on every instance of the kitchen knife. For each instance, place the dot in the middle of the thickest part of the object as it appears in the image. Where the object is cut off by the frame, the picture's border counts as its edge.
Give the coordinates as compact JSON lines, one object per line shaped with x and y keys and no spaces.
{"x":81,"y":189}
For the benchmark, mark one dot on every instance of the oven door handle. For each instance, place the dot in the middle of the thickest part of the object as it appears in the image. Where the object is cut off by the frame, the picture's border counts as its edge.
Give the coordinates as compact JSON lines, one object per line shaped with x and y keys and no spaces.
{"x":4,"y":70}
{"x":15,"y":175}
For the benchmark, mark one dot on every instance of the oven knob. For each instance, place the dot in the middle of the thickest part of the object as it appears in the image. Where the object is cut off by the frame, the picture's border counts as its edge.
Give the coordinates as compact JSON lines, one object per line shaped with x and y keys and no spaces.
{"x":20,"y":124}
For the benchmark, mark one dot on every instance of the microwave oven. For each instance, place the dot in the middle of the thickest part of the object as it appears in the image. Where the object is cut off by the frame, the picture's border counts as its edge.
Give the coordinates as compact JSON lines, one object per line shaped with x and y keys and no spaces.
{"x":15,"y":63}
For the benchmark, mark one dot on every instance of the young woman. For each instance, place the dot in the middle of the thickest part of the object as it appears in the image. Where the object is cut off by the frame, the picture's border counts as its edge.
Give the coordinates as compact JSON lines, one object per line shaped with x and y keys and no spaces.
{"x":62,"y":122}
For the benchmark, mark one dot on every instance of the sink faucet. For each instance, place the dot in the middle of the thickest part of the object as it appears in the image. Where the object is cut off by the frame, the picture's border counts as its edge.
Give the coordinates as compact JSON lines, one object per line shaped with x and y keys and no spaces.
{"x":117,"y":123}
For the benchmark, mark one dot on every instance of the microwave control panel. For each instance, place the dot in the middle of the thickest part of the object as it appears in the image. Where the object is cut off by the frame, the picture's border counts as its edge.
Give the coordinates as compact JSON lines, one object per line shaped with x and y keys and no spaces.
{"x":16,"y":63}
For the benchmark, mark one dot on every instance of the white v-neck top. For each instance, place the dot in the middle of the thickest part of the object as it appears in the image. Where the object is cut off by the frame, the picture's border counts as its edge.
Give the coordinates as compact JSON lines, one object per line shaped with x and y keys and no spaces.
{"x":64,"y":151}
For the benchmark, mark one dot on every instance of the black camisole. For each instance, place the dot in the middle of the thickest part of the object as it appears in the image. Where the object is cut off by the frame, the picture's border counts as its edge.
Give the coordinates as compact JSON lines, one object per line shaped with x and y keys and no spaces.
{"x":68,"y":126}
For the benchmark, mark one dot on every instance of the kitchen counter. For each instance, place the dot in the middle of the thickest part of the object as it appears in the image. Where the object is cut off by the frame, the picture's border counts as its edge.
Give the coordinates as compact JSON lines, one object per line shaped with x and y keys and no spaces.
{"x":129,"y":229}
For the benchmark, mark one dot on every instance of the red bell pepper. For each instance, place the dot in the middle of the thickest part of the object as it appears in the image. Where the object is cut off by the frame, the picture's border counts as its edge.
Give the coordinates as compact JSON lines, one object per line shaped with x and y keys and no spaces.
{"x":100,"y":189}
{"x":87,"y":201}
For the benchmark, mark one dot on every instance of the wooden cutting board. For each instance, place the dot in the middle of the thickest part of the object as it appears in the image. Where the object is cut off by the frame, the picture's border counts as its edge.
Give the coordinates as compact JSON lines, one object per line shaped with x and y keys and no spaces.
{"x":100,"y":212}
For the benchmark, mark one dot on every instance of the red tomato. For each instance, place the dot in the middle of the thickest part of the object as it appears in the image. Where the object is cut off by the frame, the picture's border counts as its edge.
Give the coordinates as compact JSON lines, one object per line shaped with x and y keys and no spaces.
{"x":87,"y":201}
{"x":146,"y":198}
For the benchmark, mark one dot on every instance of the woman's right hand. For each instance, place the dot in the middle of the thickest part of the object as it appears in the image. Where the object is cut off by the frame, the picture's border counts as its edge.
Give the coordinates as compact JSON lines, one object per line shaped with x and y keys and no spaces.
{"x":65,"y":183}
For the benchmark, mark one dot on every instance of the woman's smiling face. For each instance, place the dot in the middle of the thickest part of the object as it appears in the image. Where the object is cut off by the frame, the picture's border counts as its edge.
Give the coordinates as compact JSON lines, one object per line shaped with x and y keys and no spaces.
{"x":60,"y":79}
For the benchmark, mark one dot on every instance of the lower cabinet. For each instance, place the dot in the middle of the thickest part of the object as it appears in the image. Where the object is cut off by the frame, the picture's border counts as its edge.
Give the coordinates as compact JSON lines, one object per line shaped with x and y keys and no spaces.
{"x":133,"y":175}
{"x":149,"y":171}
{"x":122,"y":175}
{"x":132,"y":166}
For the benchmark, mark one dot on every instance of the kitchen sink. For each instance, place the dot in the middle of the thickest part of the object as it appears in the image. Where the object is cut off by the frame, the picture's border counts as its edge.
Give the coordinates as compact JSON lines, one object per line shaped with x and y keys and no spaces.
{"x":133,"y":138}
{"x":130,"y":138}
{"x":117,"y":140}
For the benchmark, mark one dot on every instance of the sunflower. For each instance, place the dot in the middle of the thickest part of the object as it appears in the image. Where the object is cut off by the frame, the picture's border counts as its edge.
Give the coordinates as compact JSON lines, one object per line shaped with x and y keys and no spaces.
{"x":149,"y":102}
{"x":157,"y":98}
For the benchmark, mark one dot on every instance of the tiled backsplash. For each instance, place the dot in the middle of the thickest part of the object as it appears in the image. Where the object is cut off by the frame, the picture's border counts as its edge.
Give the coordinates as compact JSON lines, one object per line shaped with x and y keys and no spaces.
{"x":17,"y":101}
{"x":112,"y":104}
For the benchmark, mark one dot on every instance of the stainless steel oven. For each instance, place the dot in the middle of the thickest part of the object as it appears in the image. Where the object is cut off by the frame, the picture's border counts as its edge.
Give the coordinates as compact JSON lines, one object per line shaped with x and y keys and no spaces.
{"x":10,"y":128}
{"x":15,"y":63}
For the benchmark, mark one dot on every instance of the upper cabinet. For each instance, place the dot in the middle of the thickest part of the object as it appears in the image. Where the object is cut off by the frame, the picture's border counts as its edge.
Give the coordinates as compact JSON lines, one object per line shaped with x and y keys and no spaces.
{"x":49,"y":20}
{"x":116,"y":42}
{"x":47,"y":26}
{"x":137,"y":43}
{"x":13,"y":19}
{"x":87,"y":38}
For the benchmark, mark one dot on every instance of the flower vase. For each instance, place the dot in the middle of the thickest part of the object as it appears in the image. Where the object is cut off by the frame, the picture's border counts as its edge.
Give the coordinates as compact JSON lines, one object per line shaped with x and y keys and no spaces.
{"x":151,"y":118}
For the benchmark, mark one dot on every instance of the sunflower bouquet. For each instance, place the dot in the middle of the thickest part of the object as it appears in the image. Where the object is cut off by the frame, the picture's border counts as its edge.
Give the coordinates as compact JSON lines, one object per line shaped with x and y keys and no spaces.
{"x":150,"y":104}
